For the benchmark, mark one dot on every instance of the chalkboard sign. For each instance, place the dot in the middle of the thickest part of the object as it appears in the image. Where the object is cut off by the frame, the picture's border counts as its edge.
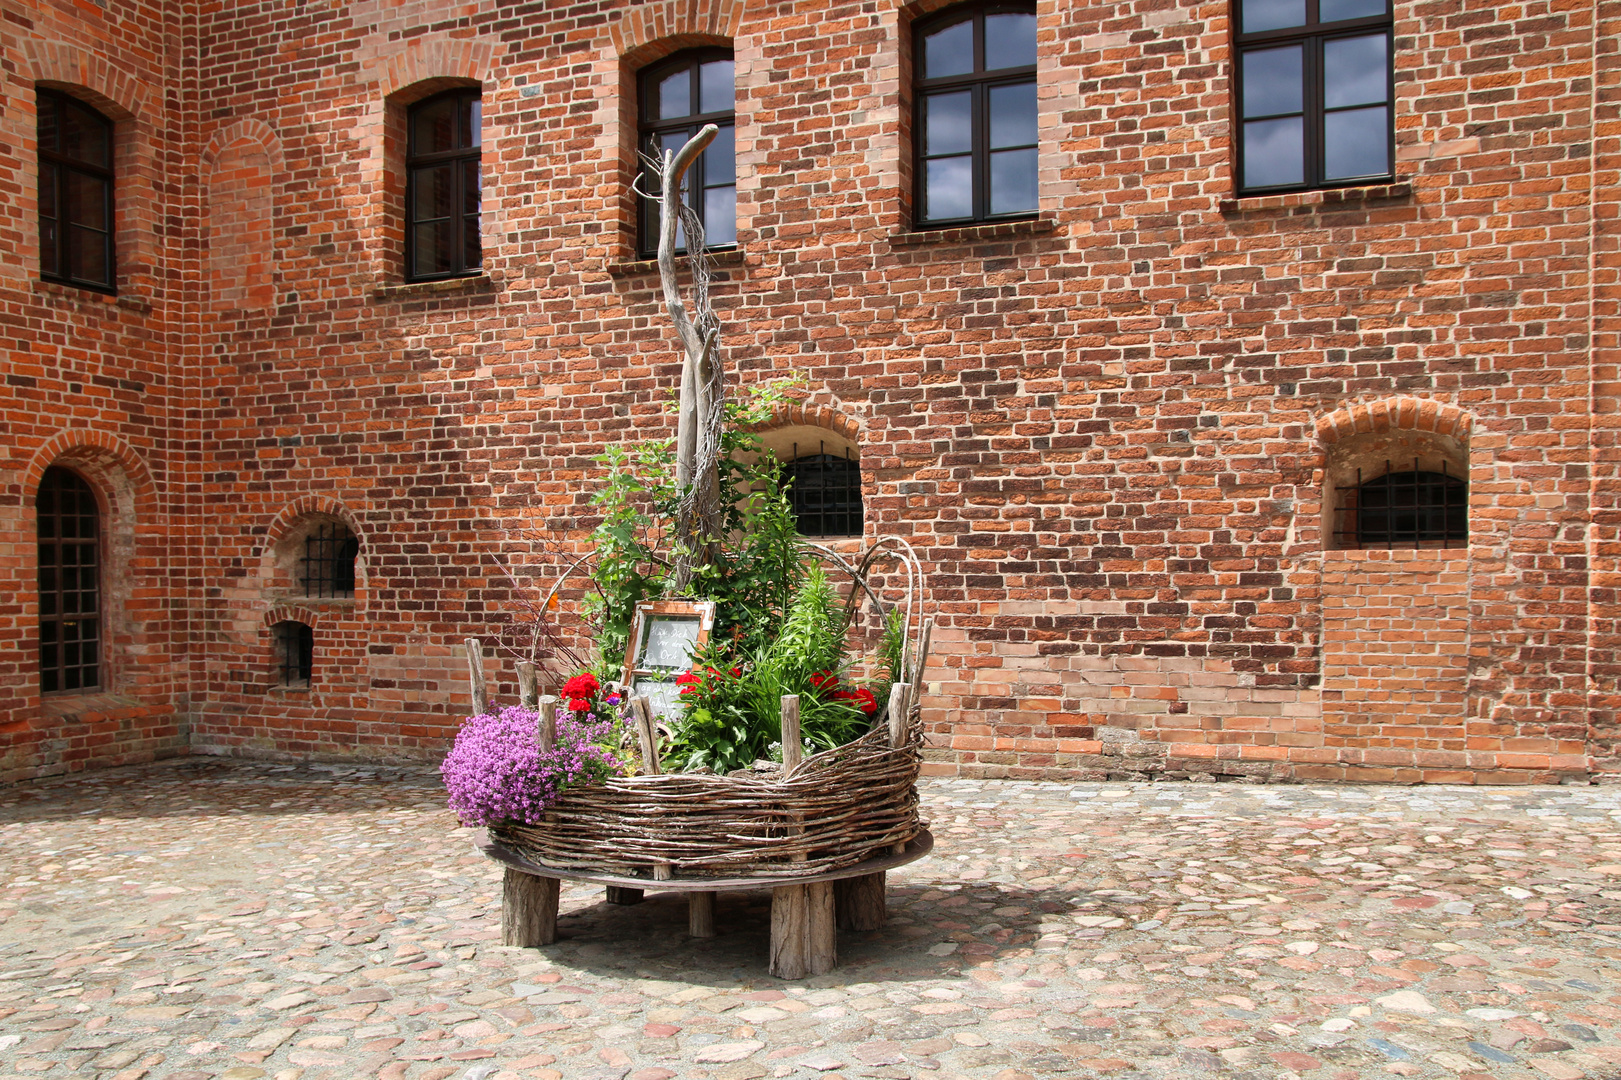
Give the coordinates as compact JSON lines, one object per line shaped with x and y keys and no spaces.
{"x":663,"y":636}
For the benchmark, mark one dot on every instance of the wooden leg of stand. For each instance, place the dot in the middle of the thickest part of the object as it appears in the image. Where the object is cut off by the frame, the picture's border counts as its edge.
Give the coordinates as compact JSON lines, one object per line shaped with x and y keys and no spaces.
{"x":617,"y":895}
{"x":860,"y":902}
{"x":528,"y":909}
{"x":802,"y":930}
{"x":701,"y":914}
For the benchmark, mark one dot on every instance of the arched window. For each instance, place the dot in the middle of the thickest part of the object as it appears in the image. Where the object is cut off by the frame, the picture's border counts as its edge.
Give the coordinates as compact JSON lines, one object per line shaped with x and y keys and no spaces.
{"x":75,"y":192}
{"x":327,"y":567}
{"x":974,"y":125}
{"x":69,"y":524}
{"x":442,"y":186}
{"x":677,"y":97}
{"x":295,"y":652}
{"x":824,"y":492}
{"x":1409,"y":509}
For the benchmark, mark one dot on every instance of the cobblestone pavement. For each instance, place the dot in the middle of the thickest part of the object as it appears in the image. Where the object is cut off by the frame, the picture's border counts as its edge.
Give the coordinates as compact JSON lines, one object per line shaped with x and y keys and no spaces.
{"x":201,"y":919}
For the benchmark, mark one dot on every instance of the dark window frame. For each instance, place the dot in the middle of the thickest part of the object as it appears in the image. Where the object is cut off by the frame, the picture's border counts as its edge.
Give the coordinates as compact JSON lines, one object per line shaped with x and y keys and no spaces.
{"x":295,"y":653}
{"x":980,"y":82}
{"x":1435,"y":505}
{"x":456,"y":156}
{"x":1311,"y":36}
{"x":63,"y":165}
{"x":53,"y":677}
{"x":810,"y":478}
{"x":327,"y":566}
{"x":647,"y":83}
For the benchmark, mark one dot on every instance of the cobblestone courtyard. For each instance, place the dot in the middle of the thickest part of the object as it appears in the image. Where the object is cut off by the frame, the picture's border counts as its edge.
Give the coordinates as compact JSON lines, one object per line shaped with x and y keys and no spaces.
{"x":201,"y":919}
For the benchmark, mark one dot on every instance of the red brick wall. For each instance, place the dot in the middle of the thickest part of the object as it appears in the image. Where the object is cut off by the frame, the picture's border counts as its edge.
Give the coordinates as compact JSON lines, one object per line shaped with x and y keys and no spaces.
{"x":1105,"y":431}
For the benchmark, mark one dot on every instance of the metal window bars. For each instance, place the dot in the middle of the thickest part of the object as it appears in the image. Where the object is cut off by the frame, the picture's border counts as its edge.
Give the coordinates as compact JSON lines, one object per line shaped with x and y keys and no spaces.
{"x":824,"y":493}
{"x":1411,"y":509}
{"x":329,"y":561}
{"x":295,"y":652}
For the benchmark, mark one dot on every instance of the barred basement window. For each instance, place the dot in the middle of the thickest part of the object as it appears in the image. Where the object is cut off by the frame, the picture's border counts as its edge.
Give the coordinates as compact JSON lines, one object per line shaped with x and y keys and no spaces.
{"x":328,"y":566}
{"x":1410,"y":509}
{"x":824,"y":492}
{"x":69,"y":526}
{"x":295,"y":652}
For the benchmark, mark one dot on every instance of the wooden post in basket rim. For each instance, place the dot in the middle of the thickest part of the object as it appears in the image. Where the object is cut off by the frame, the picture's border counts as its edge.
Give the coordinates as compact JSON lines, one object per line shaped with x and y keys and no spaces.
{"x":528,"y":685}
{"x":546,"y":725}
{"x":803,"y":941}
{"x":649,"y":736}
{"x":475,"y":676}
{"x":528,"y":909}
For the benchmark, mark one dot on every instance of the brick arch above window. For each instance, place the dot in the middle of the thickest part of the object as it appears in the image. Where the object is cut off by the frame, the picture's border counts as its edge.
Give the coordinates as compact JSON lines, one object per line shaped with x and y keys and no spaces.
{"x":130,"y":104}
{"x":425,"y":65}
{"x":806,"y":414}
{"x":253,"y":131}
{"x":107,"y":459}
{"x":648,"y":32}
{"x":1393,"y":414}
{"x":291,"y":611}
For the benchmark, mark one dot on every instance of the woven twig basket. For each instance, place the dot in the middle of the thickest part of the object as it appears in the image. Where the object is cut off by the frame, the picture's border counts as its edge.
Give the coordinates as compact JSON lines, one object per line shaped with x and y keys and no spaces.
{"x":839,"y":808}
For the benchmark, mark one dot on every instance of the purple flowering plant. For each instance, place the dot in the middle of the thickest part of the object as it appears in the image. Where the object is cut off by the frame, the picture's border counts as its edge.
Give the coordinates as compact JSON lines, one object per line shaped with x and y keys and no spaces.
{"x":496,"y":774}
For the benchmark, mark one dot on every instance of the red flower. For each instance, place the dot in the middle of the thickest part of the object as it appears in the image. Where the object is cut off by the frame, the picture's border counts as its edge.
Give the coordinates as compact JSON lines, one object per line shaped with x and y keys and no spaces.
{"x":583,"y":685}
{"x":860,"y":697}
{"x":688,"y":678}
{"x":824,"y":680}
{"x":580,"y":704}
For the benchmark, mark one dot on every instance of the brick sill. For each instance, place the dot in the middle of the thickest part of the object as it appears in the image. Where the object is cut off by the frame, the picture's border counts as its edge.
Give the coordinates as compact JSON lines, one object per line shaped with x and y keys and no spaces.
{"x":1399,"y":555}
{"x":96,"y":705}
{"x":472,"y":285}
{"x":722,"y":259}
{"x":140,"y":305}
{"x":1309,"y":200}
{"x":974,"y":234}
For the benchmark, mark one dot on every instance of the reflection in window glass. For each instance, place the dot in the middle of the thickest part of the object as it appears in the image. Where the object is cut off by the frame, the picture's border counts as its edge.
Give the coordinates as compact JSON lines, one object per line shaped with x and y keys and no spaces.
{"x":75,"y":201}
{"x":1259,"y":15}
{"x":678,"y":97}
{"x":1354,"y":71}
{"x":1274,"y":152}
{"x":1273,"y":81}
{"x":975,"y":130}
{"x":1356,"y":143}
{"x":442,"y":181}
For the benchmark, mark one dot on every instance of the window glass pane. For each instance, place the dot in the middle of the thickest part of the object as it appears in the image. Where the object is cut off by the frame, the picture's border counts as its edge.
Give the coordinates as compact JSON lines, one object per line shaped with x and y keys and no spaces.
{"x":1356,"y":143}
{"x":47,"y":189}
{"x":1273,"y":81}
{"x":720,"y":157}
{"x":1013,"y":115}
{"x":716,"y":91}
{"x":1013,"y":181}
{"x":431,"y":192}
{"x":472,"y":121}
{"x":1354,"y":71}
{"x":83,"y":135}
{"x":1010,"y":40}
{"x":948,"y":188}
{"x":432,"y":247}
{"x":720,"y":215}
{"x":1335,"y":10}
{"x":675,"y":95}
{"x":470,"y":190}
{"x":86,"y":199}
{"x":1272,"y":14}
{"x":472,"y":258}
{"x":49,"y":241}
{"x":949,"y":51}
{"x":433,"y":126}
{"x":947,"y":125}
{"x":47,"y":113}
{"x":1274,"y":152}
{"x":87,"y":254}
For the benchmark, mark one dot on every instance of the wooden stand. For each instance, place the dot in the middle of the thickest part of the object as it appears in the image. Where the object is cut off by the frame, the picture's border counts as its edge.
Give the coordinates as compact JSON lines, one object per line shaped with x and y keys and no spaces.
{"x":804,"y":911}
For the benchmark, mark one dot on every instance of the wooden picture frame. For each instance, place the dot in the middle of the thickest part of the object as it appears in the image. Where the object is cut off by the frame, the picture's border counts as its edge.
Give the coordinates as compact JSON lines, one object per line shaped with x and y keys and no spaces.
{"x":664,"y":634}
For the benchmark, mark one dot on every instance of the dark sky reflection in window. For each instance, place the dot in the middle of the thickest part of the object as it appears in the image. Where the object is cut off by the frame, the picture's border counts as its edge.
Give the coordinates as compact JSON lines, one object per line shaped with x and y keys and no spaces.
{"x":1273,"y":81}
{"x":949,"y":51}
{"x":1010,"y":40}
{"x":1354,"y":71}
{"x":1261,"y":15}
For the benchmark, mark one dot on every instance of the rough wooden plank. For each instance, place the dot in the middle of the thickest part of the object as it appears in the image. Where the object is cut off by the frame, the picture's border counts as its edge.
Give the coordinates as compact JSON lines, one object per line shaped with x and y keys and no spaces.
{"x":619,"y":895}
{"x":921,"y":661}
{"x":528,"y":909}
{"x":528,"y":685}
{"x":821,"y":929}
{"x":648,"y":734}
{"x":860,"y":902}
{"x":900,"y":718}
{"x":701,"y":914}
{"x":475,"y":676}
{"x":789,"y":924}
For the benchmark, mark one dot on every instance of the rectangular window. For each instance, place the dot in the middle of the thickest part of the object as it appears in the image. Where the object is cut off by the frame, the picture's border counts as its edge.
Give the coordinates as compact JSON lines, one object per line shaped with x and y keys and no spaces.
{"x":1313,"y":94}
